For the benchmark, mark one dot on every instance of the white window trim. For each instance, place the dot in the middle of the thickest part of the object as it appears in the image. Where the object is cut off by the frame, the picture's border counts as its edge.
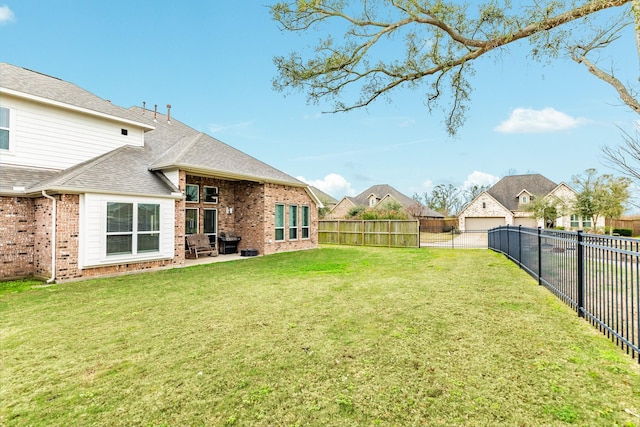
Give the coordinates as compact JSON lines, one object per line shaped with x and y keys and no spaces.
{"x":284,"y":222}
{"x":198,"y":198}
{"x":11,"y":129}
{"x":295,"y":226}
{"x":302,"y":226}
{"x":134,"y":233}
{"x":204,"y":194}
{"x":197,"y":220}
{"x":204,"y":218}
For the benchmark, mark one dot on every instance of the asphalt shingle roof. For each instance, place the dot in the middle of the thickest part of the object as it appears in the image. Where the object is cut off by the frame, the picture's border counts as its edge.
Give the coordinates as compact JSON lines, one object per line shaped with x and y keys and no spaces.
{"x":506,"y":190}
{"x":128,"y":169}
{"x":54,"y":89}
{"x":382,"y":190}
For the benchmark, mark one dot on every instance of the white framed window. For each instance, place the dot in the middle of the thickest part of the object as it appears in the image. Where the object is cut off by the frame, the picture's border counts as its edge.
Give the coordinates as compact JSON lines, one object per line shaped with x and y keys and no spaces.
{"x":210,"y":194}
{"x":574,"y":221}
{"x":279,"y":223}
{"x":293,"y":222}
{"x":211,"y":224}
{"x":305,"y":222}
{"x":191,"y":221}
{"x":192,"y":193}
{"x":524,"y":200}
{"x":5,"y":128}
{"x":132,"y":228}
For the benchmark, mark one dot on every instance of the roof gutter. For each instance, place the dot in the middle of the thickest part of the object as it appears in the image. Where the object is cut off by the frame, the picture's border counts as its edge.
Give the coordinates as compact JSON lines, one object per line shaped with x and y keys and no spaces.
{"x":53,"y":236}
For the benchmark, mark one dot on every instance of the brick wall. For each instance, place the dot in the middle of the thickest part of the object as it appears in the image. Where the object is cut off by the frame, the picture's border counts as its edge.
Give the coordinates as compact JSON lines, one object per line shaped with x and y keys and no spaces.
{"x":287,"y":195}
{"x":248,"y":209}
{"x":249,"y":215}
{"x":26,"y":228}
{"x":17,"y":227}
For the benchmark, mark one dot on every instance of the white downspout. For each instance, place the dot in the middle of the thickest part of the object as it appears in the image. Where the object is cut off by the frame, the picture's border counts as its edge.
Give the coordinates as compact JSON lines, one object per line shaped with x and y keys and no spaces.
{"x":53,"y":238}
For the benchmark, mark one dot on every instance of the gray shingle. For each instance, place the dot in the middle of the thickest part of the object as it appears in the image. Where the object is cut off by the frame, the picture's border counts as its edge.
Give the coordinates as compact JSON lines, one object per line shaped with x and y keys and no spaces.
{"x":128,"y":169}
{"x":41,"y":85}
{"x":506,"y":190}
{"x":382,"y":190}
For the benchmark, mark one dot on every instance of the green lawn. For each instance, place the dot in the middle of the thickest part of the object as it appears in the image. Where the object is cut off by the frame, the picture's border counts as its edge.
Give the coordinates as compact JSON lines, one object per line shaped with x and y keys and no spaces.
{"x":332,"y":337}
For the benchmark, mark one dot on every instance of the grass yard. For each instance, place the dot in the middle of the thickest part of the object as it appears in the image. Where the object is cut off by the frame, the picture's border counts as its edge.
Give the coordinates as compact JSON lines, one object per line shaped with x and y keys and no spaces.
{"x":339,"y":336}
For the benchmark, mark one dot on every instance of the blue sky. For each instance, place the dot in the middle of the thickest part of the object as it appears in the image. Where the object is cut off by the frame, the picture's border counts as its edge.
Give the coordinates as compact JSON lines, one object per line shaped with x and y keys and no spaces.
{"x":213,"y":62}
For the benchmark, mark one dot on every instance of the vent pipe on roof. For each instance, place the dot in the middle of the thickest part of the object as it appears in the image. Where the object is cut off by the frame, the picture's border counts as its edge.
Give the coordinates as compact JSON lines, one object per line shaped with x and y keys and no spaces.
{"x":155,"y":112}
{"x":169,"y":113}
{"x":144,"y":107}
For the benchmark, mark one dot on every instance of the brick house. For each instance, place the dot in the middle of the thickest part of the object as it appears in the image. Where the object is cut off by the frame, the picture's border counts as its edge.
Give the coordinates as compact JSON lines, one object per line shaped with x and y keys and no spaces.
{"x":90,"y":189}
{"x":505,"y":203}
{"x":379,"y":195}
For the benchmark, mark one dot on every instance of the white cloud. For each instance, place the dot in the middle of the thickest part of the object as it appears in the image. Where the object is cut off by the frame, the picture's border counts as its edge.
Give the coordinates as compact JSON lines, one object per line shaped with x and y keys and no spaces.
{"x":6,"y":14}
{"x":526,"y":120}
{"x":333,"y":184}
{"x":479,"y":178}
{"x":219,"y":128}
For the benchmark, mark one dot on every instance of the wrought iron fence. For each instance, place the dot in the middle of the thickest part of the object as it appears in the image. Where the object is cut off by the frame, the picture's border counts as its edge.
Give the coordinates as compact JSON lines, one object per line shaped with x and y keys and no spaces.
{"x":598,"y":276}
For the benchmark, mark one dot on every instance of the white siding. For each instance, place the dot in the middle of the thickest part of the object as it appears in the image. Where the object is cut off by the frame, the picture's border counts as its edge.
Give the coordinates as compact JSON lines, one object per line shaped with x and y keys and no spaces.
{"x":49,"y":137}
{"x":93,"y":212}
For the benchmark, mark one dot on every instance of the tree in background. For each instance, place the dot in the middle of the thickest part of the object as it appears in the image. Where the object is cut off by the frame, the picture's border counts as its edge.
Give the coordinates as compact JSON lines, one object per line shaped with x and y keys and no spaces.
{"x":442,"y":40}
{"x":600,"y":196}
{"x":387,"y":210}
{"x":626,"y":158}
{"x":548,"y":208}
{"x":444,"y":198}
{"x":470,"y":193}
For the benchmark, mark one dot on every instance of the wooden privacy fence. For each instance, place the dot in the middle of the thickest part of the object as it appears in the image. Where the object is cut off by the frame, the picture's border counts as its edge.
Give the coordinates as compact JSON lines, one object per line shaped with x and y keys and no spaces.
{"x":379,"y":232}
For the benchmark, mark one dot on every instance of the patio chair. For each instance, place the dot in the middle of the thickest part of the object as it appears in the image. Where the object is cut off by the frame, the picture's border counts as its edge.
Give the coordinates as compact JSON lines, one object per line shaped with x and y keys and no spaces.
{"x":199,"y":244}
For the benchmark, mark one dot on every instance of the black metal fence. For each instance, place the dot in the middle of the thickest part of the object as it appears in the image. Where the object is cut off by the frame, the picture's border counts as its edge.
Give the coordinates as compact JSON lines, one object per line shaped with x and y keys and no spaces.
{"x":597,"y":275}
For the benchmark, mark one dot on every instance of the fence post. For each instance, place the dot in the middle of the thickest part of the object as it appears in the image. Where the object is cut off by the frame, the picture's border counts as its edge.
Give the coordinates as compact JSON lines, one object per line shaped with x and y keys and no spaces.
{"x":539,"y":255}
{"x":453,"y":238}
{"x":520,"y":246}
{"x":508,"y":251}
{"x":580,"y":253}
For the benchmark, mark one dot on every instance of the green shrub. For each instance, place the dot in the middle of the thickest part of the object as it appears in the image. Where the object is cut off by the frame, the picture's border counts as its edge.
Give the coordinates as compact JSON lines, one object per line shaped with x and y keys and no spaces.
{"x":626,"y":232}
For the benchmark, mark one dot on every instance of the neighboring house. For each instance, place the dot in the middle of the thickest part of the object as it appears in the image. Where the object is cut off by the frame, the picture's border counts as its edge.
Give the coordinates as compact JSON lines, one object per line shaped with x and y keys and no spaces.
{"x":506,"y":204}
{"x":327,"y":200}
{"x":379,"y":195}
{"x":89,"y":189}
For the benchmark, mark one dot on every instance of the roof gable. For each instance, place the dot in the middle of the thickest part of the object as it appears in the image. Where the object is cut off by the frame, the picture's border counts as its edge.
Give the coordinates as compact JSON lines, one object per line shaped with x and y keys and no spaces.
{"x":380,"y":191}
{"x":507,"y":190}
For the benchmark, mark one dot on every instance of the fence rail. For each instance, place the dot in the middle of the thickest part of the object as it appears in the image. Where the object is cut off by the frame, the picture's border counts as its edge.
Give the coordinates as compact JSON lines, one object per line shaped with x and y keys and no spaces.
{"x":451,"y":238}
{"x":390,"y":233}
{"x":598,"y":276}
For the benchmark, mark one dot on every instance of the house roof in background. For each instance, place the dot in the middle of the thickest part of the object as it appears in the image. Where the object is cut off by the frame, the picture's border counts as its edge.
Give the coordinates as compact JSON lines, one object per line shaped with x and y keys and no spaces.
{"x":324,"y":197}
{"x":506,"y":190}
{"x":382,"y":190}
